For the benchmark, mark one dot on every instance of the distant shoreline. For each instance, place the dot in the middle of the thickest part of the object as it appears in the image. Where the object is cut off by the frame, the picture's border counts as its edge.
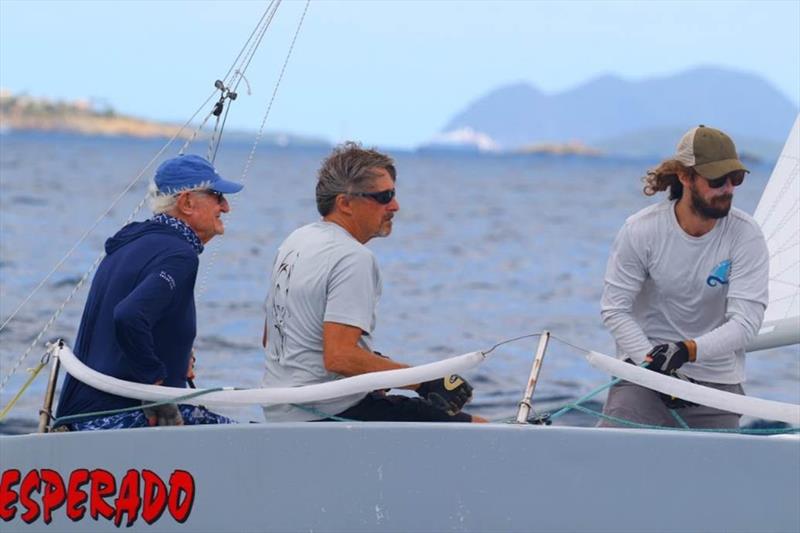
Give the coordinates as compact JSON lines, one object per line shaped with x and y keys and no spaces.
{"x":24,"y":113}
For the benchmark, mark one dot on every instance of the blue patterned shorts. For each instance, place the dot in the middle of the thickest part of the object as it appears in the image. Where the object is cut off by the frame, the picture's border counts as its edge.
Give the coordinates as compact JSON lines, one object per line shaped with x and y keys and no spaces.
{"x":192,"y":415}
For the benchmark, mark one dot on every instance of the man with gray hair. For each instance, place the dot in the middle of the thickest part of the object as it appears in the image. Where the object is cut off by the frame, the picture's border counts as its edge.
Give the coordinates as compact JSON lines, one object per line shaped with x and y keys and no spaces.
{"x":686,"y":284}
{"x":323,"y":297}
{"x":139,"y":322}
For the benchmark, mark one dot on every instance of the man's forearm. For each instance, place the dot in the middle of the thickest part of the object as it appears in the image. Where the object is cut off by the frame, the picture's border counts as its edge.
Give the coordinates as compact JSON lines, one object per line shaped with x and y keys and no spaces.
{"x":354,"y":361}
{"x":630,"y":338}
{"x":744,"y":318}
{"x":616,"y":309}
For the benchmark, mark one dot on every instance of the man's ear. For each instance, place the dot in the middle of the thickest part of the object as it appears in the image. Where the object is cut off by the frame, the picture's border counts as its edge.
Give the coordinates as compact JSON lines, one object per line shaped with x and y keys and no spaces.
{"x":685,"y":176}
{"x":185,"y":203}
{"x":343,"y":204}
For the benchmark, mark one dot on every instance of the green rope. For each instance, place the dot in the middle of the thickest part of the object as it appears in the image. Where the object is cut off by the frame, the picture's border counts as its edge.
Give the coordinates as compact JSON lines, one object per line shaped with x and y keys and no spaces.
{"x":63,"y":419}
{"x":576,"y":405}
{"x":573,"y":405}
{"x":679,"y":419}
{"x":746,"y":431}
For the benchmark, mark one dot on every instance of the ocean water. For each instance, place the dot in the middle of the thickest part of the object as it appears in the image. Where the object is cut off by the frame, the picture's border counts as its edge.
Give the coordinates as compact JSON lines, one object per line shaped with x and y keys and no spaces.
{"x":484,"y":248}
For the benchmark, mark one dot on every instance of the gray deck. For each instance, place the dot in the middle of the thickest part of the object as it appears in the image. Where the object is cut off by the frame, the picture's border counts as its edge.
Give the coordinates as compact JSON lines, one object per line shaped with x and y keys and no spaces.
{"x":440,"y":477}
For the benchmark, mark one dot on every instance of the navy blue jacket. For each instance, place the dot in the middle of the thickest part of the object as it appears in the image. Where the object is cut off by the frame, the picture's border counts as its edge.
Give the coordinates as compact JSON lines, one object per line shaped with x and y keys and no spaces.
{"x":139,"y":322}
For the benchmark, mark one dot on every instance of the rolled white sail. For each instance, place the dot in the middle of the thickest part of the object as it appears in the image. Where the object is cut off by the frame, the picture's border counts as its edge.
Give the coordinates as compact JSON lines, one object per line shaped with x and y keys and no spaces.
{"x":778,"y":214}
{"x":727,"y":401}
{"x":267,"y":396}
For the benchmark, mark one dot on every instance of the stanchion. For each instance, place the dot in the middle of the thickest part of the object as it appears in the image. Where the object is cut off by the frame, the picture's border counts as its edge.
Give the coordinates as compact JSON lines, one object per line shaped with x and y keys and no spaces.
{"x":525,"y":403}
{"x":46,"y":413}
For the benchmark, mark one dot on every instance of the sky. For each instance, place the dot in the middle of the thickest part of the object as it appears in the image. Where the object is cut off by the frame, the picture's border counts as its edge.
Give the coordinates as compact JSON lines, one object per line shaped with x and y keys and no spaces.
{"x":388,"y":73}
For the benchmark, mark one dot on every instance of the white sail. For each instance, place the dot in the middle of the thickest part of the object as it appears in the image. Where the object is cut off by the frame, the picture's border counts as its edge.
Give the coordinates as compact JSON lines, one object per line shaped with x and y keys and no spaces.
{"x":778,"y":214}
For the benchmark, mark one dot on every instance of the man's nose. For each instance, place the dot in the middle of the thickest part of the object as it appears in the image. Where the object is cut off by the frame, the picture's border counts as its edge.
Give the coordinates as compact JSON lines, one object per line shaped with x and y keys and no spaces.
{"x":224,"y":206}
{"x":728,"y":187}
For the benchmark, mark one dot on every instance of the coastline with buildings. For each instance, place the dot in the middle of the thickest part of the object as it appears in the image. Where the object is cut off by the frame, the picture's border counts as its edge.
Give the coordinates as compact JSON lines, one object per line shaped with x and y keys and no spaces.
{"x":22,"y":112}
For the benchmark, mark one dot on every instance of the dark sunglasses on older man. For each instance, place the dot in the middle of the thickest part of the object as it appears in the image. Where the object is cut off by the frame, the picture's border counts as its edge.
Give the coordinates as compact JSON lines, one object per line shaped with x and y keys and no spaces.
{"x":382,"y":197}
{"x":736,"y":177}
{"x":216,"y":194}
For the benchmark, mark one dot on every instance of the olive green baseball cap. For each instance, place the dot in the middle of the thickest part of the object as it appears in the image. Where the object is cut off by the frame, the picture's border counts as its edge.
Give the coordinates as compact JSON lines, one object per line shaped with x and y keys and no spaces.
{"x":709,"y":151}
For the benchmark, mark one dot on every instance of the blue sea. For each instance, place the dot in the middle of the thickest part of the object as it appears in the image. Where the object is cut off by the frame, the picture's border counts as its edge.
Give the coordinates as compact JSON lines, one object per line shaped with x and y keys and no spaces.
{"x":484,"y":248}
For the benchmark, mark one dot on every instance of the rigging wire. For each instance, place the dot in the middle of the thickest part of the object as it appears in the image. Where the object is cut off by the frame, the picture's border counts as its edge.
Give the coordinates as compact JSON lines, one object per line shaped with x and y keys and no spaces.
{"x":255,"y":29}
{"x":260,"y":29}
{"x":203,"y":284}
{"x":229,"y":92}
{"x":99,"y":220}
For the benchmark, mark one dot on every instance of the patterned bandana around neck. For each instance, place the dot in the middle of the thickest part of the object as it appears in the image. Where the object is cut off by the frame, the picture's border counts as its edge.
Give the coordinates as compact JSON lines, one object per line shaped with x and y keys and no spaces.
{"x":183,"y":228}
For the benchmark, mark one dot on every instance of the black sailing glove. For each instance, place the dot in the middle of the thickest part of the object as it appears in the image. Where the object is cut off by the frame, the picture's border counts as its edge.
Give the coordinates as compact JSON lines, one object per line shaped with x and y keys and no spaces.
{"x":449,"y":394}
{"x":166,"y":414}
{"x":673,"y":402}
{"x":666,"y":358}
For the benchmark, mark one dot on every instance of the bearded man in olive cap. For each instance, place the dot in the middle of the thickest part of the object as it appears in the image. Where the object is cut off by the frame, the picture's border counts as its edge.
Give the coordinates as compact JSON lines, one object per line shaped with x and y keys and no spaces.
{"x":686,"y":284}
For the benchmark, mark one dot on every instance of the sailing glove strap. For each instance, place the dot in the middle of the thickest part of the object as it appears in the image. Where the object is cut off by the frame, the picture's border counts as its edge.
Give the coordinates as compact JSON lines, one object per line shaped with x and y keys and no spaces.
{"x":665,"y":358}
{"x":449,"y":394}
{"x":163,"y":415}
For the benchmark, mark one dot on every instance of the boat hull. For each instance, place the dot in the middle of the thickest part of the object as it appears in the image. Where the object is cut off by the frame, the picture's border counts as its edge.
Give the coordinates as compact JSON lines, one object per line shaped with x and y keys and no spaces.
{"x":433,"y":477}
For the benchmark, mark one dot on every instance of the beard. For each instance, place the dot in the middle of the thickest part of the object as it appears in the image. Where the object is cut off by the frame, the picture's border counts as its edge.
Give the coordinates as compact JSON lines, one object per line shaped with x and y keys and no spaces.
{"x":718,"y":207}
{"x":385,"y":230}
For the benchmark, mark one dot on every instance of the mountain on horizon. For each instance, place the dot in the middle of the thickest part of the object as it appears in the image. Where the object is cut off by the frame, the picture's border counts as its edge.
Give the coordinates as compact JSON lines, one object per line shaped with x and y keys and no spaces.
{"x":605,"y":111}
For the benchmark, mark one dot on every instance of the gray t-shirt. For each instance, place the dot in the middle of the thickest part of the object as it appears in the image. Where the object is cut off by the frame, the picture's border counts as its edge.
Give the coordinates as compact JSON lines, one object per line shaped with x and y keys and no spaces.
{"x":320,"y":274}
{"x":663,"y":285}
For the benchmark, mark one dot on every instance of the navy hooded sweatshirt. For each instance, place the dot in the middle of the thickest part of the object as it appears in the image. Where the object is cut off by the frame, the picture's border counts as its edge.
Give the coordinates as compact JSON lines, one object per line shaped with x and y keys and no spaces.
{"x":139,"y":322}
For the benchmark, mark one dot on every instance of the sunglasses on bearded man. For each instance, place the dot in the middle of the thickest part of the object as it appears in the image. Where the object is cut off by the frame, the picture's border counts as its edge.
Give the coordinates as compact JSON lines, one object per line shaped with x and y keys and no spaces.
{"x":736,"y":177}
{"x":382,"y":197}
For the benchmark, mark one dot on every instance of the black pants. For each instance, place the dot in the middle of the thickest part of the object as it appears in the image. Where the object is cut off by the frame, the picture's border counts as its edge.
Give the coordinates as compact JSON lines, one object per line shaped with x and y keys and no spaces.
{"x":381,"y":407}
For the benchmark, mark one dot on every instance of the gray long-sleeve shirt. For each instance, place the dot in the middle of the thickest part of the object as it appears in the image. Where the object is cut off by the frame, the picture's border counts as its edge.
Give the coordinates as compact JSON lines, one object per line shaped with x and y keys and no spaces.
{"x":663,"y":285}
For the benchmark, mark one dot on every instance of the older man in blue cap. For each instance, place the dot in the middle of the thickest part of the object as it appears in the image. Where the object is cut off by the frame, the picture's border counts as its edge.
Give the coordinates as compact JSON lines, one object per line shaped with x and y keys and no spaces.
{"x":139,"y":322}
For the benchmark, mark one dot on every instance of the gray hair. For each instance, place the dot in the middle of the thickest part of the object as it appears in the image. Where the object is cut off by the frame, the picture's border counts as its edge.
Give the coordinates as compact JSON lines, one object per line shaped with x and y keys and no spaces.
{"x":349,"y":168}
{"x":161,"y":202}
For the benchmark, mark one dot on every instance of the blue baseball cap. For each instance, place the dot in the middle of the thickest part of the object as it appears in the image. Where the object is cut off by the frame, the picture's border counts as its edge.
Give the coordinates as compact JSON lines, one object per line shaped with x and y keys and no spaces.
{"x":189,"y":171}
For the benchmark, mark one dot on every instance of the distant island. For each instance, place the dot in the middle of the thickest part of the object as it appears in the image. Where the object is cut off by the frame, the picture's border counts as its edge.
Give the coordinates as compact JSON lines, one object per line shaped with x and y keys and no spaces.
{"x":22,"y":112}
{"x":618,"y":117}
{"x":26,"y":113}
{"x":566,"y":148}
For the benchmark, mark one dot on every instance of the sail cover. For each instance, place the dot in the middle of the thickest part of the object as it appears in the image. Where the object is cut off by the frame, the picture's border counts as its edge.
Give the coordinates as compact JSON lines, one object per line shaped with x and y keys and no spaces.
{"x":727,"y":401}
{"x":266,"y":396}
{"x":778,"y":214}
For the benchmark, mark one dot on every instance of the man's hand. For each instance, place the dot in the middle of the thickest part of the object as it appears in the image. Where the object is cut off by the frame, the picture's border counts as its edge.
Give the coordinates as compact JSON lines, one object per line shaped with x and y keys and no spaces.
{"x":666,"y":358}
{"x":449,"y":394}
{"x":673,"y":402}
{"x":163,"y":415}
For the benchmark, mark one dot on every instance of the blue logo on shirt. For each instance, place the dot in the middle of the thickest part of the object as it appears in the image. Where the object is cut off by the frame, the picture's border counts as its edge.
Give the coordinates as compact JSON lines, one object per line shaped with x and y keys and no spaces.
{"x":720,"y":274}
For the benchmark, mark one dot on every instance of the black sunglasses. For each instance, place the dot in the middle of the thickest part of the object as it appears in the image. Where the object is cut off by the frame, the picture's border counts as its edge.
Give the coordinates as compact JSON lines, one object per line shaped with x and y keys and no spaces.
{"x":216,"y":194}
{"x":736,"y":177}
{"x":382,"y":197}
